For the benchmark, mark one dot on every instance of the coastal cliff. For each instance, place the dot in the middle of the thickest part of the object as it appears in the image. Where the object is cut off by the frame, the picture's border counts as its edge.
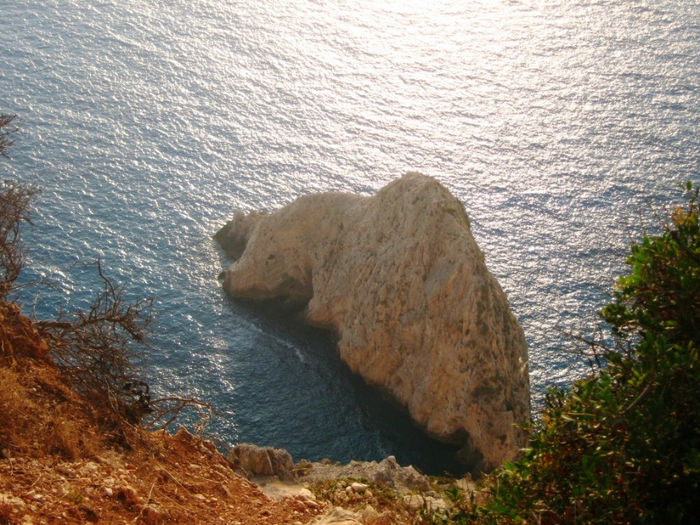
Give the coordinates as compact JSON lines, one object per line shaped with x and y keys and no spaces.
{"x":400,"y":279}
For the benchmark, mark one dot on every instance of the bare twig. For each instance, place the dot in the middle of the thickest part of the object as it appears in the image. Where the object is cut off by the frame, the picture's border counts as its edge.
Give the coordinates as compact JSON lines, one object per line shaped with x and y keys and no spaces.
{"x":593,"y":349}
{"x":41,"y":475}
{"x":175,"y":479}
{"x":171,"y":407}
{"x":96,"y":347}
{"x":5,"y":133}
{"x":148,"y":501}
{"x":641,"y":396}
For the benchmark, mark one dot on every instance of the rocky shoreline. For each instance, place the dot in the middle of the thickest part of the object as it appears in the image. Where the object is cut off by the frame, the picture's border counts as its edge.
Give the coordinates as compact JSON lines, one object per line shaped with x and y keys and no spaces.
{"x":347,"y":487}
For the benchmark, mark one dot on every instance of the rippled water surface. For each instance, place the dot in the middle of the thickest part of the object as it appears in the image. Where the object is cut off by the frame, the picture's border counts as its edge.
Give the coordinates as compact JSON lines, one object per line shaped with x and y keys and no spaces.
{"x":147,"y":122}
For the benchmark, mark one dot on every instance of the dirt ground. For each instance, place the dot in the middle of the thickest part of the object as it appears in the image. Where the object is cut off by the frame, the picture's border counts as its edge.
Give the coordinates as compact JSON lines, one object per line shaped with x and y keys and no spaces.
{"x":58,"y":463}
{"x":177,"y":479}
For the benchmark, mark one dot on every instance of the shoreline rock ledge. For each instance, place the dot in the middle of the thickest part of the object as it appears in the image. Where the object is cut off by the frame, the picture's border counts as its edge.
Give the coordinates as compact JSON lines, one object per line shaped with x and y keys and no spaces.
{"x":401,"y":281}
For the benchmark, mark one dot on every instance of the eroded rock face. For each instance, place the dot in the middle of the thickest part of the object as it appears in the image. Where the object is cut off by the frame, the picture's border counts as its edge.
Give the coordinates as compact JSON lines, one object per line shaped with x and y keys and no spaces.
{"x":262,"y":461}
{"x":400,"y":280}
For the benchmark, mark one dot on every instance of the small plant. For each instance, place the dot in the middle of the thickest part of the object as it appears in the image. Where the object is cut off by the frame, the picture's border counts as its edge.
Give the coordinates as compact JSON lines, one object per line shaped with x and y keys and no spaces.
{"x":75,"y":497}
{"x":14,"y":210}
{"x":5,"y":132}
{"x":15,"y":199}
{"x":454,"y":494}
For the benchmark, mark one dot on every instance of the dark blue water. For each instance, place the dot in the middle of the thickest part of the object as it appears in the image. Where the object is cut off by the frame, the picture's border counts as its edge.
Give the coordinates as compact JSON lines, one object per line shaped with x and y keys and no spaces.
{"x":147,"y":122}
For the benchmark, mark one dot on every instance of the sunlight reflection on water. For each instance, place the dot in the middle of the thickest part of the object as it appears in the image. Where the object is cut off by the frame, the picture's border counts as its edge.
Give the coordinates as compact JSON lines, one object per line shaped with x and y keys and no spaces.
{"x":147,"y":123}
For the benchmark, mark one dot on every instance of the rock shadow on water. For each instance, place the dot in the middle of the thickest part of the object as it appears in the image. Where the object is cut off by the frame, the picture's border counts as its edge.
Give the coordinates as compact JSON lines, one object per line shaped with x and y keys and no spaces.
{"x":376,"y":425}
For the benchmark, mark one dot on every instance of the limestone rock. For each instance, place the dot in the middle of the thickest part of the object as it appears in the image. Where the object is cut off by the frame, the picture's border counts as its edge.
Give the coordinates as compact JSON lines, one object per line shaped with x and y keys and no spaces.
{"x":386,"y":472}
{"x":400,"y":280}
{"x":337,"y":516}
{"x":262,"y":461}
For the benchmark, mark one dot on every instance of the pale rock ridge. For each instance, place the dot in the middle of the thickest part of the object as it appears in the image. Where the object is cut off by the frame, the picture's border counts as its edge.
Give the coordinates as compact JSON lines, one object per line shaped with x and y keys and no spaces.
{"x":405,"y":480}
{"x":253,"y":460}
{"x":400,"y":280}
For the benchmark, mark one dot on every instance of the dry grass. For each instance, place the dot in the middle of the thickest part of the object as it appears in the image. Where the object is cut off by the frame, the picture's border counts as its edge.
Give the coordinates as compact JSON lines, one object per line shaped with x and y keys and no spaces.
{"x":14,"y":410}
{"x":40,"y":413}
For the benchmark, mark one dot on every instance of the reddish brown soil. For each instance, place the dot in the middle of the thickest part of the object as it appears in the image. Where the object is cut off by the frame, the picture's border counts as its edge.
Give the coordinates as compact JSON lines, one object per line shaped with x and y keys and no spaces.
{"x":60,"y":462}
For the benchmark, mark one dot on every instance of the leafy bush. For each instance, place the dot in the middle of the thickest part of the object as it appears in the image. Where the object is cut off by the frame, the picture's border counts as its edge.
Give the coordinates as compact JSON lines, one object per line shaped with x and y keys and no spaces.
{"x":623,"y":446}
{"x":660,"y":295}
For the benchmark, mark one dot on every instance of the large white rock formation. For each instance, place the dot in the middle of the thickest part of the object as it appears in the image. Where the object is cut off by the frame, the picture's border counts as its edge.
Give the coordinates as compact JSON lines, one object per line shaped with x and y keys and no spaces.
{"x":400,"y":280}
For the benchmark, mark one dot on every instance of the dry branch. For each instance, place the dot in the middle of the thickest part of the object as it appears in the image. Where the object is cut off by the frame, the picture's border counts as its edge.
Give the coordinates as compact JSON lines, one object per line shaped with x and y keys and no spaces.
{"x":171,"y":407}
{"x":100,"y":349}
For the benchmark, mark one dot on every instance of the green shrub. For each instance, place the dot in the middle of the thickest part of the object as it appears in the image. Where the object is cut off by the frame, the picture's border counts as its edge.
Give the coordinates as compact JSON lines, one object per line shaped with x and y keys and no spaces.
{"x":624,"y":444}
{"x":660,"y":295}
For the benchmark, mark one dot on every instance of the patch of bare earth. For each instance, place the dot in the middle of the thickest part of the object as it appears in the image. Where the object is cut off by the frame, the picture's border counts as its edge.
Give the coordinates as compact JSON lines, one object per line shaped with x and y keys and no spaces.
{"x":62,"y":462}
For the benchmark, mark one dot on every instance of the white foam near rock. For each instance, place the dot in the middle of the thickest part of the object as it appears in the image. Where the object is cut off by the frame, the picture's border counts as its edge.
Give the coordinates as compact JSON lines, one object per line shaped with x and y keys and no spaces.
{"x":400,"y":280}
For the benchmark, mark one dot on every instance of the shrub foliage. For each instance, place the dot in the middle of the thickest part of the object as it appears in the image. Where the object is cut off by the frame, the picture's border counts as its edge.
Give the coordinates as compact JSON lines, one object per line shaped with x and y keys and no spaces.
{"x":623,"y":445}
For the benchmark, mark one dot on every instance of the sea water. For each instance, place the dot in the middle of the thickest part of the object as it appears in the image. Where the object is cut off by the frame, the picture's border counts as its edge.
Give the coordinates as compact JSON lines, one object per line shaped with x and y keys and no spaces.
{"x":147,"y":122}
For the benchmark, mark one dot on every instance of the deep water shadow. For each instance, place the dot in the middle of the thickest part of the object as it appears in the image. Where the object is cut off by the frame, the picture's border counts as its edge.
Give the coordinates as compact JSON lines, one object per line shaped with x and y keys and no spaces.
{"x":383,"y":427}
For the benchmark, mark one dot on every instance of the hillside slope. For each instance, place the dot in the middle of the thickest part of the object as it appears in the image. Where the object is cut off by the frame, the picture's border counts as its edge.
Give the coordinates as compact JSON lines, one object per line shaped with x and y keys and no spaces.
{"x":61,"y":462}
